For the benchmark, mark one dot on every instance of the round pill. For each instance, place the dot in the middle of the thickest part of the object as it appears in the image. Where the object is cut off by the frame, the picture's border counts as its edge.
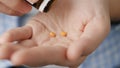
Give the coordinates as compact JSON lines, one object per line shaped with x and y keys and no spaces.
{"x":64,"y":34}
{"x":52,"y":34}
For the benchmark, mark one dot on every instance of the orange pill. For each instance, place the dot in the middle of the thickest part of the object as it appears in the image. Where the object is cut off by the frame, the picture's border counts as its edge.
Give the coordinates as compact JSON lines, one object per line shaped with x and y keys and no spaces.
{"x":52,"y":34}
{"x":64,"y":34}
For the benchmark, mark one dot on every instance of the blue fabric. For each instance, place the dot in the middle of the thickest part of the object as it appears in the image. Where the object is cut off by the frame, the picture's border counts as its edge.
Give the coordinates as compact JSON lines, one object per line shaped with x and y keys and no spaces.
{"x":6,"y":23}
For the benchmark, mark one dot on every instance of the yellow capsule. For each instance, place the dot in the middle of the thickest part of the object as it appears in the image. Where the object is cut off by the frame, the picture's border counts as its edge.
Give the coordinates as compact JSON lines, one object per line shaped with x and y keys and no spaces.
{"x":52,"y":34}
{"x":64,"y":34}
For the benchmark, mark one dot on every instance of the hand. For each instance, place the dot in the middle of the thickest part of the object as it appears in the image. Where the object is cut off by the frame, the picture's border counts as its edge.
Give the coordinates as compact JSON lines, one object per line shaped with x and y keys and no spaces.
{"x":86,"y":23}
{"x":14,"y":7}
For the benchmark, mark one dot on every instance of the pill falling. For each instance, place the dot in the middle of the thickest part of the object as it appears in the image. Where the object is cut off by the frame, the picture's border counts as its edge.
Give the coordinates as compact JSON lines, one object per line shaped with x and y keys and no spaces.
{"x":42,"y":5}
{"x":52,"y":34}
{"x":64,"y":34}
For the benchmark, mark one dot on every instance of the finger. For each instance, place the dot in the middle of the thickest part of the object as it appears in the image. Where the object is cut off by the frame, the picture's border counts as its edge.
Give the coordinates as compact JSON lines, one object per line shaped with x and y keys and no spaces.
{"x":28,"y":43}
{"x":17,"y":34}
{"x":39,"y":56}
{"x":7,"y":10}
{"x":6,"y":50}
{"x":88,"y":42}
{"x":20,"y":6}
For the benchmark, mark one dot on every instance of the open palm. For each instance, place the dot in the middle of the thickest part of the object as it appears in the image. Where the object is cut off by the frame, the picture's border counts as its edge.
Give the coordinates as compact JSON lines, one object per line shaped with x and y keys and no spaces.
{"x":86,"y":27}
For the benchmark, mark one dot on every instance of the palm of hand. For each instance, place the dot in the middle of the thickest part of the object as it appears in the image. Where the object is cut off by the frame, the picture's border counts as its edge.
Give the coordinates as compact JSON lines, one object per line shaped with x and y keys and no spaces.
{"x":66,"y":51}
